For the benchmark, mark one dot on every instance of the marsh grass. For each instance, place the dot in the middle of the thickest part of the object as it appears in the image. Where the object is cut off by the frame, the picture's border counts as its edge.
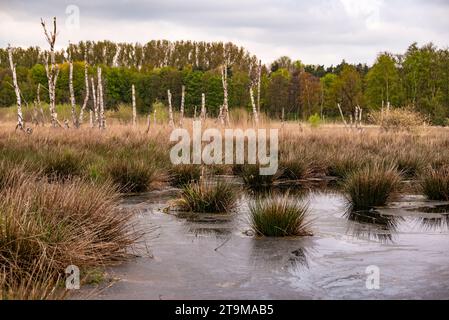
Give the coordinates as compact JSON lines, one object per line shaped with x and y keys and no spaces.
{"x":184,"y":173}
{"x":208,"y":197}
{"x":44,"y":227}
{"x":435,"y":183}
{"x":250,"y":174}
{"x":62,"y":164}
{"x":132,"y":175}
{"x":279,"y":216}
{"x":371,"y":186}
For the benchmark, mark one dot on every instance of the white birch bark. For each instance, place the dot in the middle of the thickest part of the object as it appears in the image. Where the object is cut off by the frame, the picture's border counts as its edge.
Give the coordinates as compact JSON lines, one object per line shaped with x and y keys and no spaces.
{"x":181,"y":111}
{"x":148,"y":122}
{"x":203,"y":107}
{"x":255,"y":115}
{"x":133,"y":92}
{"x":72,"y":93}
{"x":171,"y":123}
{"x":342,"y":116}
{"x":100,"y":100}
{"x":94,"y":98}
{"x":259,"y":76}
{"x":86,"y":97}
{"x":224,"y":78}
{"x":52,"y":72}
{"x":20,"y":123}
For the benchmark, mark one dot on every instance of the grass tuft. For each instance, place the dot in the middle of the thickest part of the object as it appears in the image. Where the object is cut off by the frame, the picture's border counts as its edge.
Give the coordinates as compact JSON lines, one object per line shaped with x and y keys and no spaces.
{"x":371,"y":186}
{"x":279,"y":216}
{"x":45,"y":227}
{"x":435,"y":183}
{"x":208,"y":197}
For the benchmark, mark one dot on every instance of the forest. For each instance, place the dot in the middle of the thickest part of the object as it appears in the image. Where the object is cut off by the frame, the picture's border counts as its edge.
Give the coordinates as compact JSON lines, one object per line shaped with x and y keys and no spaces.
{"x":418,"y":78}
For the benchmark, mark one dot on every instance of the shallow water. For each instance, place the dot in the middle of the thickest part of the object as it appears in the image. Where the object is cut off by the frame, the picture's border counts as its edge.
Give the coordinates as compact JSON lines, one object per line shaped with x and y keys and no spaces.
{"x":214,"y":257}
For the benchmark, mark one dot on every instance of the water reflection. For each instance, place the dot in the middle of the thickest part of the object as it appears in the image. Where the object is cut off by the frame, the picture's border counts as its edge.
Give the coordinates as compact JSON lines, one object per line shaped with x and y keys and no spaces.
{"x":280,"y":254}
{"x":438,"y":223}
{"x":371,"y":225}
{"x":201,"y":224}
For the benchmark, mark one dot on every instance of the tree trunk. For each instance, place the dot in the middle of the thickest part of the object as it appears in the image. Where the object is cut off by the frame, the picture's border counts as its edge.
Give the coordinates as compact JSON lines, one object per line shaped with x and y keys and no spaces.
{"x":148,"y":122}
{"x":181,"y":111}
{"x":72,"y":93}
{"x":203,"y":107}
{"x":171,"y":123}
{"x":94,"y":99}
{"x":342,"y":116}
{"x":224,"y":78}
{"x":86,"y":97}
{"x":133,"y":91}
{"x":259,"y":76}
{"x":100,"y":100}
{"x":52,"y":72}
{"x":20,"y":123}
{"x":255,"y":115}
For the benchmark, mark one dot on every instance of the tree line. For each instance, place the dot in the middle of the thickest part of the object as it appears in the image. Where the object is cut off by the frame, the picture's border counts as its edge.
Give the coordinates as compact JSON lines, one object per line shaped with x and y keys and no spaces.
{"x":418,"y":78}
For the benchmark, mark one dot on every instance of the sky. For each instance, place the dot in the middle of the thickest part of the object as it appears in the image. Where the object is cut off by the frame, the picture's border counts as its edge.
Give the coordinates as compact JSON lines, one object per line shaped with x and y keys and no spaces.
{"x":315,"y":32}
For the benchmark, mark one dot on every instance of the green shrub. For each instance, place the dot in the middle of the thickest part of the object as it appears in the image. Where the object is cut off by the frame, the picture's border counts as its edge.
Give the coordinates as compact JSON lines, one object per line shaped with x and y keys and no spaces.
{"x":314,"y":120}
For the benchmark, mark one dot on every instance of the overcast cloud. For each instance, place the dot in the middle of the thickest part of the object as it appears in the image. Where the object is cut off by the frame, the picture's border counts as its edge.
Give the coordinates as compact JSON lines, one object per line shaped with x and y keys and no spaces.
{"x":319,"y":32}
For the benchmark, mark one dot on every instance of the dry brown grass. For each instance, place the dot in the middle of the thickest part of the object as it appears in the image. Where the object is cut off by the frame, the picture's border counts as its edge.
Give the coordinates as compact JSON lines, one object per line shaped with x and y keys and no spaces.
{"x":45,"y":227}
{"x":46,"y":224}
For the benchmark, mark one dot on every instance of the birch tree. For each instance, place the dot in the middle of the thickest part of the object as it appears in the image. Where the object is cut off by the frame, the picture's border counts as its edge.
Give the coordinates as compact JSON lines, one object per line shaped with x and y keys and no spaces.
{"x":224,"y":78}
{"x":203,"y":107}
{"x":181,"y":111}
{"x":52,"y":71}
{"x":72,"y":91}
{"x":133,"y":92}
{"x":255,"y":115}
{"x":86,"y":84}
{"x":171,"y":123}
{"x":20,"y":123}
{"x":100,"y":102}
{"x":94,"y":99}
{"x":259,"y":76}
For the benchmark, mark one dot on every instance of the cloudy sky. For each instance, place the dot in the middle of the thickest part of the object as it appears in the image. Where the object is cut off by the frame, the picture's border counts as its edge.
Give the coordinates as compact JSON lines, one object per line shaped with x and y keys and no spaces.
{"x":319,"y":32}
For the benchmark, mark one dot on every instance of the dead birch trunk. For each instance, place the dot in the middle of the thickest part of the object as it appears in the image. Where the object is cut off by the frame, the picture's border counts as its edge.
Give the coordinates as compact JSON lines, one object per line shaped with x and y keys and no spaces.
{"x":52,"y":72}
{"x":100,"y":100}
{"x":133,"y":92}
{"x":148,"y":122}
{"x":220,"y":115}
{"x":86,"y":97}
{"x":224,"y":78}
{"x":72,"y":93}
{"x":20,"y":123}
{"x":171,"y":122}
{"x":259,"y":76}
{"x":181,"y":111}
{"x":342,"y":116}
{"x":203,"y":107}
{"x":94,"y":99}
{"x":255,"y":115}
